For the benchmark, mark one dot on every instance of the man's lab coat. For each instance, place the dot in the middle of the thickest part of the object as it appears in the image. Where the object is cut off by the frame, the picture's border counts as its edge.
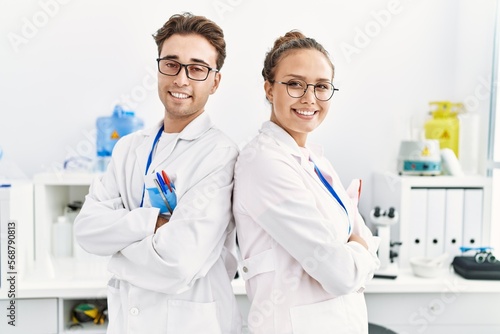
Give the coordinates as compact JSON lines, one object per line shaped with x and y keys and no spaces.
{"x":177,"y":280}
{"x":302,"y":275}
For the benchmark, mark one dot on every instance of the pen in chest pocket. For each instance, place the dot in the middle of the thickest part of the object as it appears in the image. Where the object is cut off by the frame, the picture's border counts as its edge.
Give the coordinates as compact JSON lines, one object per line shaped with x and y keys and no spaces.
{"x":162,"y":194}
{"x":160,"y":180}
{"x":167,"y":180}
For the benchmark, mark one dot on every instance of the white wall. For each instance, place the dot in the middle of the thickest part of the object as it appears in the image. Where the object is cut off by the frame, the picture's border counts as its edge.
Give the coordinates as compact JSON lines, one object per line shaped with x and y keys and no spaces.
{"x":66,"y":62}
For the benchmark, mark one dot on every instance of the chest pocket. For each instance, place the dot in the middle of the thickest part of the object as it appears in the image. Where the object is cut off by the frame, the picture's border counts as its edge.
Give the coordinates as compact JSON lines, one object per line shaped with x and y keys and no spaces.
{"x":257,"y":264}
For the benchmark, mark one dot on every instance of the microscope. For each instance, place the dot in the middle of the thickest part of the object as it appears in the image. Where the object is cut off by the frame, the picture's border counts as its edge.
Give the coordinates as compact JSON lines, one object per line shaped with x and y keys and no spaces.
{"x":383,"y":219}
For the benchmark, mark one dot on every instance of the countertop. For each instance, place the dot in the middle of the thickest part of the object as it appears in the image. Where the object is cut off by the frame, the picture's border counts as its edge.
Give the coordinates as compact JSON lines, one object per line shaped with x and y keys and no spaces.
{"x":67,"y":278}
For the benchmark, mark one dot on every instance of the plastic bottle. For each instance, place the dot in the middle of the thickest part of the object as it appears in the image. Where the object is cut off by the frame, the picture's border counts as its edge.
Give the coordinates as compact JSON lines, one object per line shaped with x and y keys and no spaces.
{"x":62,"y":237}
{"x":444,"y":125}
{"x":110,"y":129}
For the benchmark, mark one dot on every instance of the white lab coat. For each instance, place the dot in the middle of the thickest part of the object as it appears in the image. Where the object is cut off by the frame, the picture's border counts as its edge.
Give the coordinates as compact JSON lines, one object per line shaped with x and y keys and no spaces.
{"x":302,"y":275}
{"x":177,"y":280}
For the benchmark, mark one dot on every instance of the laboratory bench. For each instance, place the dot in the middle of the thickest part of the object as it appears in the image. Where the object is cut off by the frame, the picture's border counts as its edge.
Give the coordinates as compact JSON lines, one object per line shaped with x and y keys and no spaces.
{"x":409,"y":304}
{"x":406,"y":304}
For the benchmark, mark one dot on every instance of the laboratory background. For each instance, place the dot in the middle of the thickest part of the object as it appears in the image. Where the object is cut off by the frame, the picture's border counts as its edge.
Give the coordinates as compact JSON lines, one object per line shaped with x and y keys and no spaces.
{"x":66,"y":64}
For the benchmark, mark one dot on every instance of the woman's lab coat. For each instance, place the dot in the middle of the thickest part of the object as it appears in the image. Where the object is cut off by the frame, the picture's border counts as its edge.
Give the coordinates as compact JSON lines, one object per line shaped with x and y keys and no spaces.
{"x":302,"y":275}
{"x":177,"y":280}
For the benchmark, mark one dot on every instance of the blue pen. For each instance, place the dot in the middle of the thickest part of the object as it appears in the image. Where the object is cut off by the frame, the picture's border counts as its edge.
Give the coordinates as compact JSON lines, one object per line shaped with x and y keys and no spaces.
{"x":162,"y":195}
{"x":162,"y":183}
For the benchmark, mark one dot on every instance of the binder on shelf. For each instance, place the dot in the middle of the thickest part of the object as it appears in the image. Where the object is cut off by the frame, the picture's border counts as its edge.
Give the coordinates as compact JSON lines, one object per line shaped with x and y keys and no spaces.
{"x":436,"y":205}
{"x":473,"y":217}
{"x":453,"y":234}
{"x":418,"y":222}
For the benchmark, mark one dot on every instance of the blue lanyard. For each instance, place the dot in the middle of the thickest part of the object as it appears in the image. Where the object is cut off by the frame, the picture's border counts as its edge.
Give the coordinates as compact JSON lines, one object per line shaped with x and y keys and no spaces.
{"x":332,"y":191}
{"x":150,"y":159}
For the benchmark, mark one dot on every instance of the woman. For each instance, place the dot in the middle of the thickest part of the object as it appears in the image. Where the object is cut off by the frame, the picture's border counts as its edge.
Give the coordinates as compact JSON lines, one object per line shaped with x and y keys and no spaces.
{"x":306,"y":251}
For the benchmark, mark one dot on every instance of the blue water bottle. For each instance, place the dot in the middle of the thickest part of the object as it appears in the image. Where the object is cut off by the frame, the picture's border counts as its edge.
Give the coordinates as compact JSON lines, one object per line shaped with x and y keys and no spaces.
{"x":110,"y":129}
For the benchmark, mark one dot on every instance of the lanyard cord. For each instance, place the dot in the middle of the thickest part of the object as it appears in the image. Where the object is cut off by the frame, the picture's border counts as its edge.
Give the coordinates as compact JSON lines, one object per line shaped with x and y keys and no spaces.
{"x":150,"y":159}
{"x":332,"y":191}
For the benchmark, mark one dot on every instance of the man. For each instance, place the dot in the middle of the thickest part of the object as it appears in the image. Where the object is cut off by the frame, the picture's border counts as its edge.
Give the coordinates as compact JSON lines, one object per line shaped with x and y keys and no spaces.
{"x":172,"y":271}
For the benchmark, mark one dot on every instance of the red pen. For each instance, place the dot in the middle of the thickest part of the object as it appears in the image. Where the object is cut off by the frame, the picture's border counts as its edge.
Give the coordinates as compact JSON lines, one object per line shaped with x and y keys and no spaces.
{"x":167,"y":180}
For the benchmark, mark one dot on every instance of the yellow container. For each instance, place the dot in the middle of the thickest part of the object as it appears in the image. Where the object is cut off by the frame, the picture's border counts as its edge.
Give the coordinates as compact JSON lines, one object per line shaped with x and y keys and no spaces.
{"x":444,"y":124}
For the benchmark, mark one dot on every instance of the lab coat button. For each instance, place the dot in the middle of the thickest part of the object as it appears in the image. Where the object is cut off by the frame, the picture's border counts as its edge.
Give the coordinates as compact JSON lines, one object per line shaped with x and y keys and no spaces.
{"x":245,"y":269}
{"x":134,"y":311}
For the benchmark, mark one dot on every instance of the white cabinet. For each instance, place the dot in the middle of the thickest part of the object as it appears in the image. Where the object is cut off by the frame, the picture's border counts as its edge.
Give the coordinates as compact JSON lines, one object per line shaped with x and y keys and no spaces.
{"x":88,"y":274}
{"x":435,"y":313}
{"x":437,"y":214}
{"x":413,"y":305}
{"x":53,"y":192}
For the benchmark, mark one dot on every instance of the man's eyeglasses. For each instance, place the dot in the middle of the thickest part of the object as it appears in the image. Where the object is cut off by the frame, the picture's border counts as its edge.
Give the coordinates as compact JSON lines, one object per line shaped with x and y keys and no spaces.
{"x":297,"y":88}
{"x":196,"y":72}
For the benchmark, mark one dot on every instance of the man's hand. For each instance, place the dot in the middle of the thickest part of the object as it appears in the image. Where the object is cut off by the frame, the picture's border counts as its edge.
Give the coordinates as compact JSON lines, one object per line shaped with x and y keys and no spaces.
{"x":161,"y":220}
{"x":358,"y":239}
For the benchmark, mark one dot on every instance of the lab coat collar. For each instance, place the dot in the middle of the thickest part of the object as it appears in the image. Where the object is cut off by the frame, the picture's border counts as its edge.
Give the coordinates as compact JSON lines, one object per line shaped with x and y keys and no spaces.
{"x":290,"y":144}
{"x":195,"y":129}
{"x":282,"y":137}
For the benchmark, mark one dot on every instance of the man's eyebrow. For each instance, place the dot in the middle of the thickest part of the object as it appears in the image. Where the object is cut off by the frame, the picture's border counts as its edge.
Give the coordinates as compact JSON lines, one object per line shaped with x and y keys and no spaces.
{"x":197,"y":60}
{"x":170,"y":57}
{"x":192,"y":60}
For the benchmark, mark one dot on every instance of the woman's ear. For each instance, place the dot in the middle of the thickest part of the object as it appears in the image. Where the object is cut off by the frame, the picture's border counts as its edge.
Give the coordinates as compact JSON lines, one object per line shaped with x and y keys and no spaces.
{"x":268,"y":88}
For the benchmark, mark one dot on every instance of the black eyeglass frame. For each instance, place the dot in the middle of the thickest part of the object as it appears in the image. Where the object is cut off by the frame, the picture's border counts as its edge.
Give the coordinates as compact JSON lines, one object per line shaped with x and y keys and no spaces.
{"x":287,"y":84}
{"x":185,"y":68}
